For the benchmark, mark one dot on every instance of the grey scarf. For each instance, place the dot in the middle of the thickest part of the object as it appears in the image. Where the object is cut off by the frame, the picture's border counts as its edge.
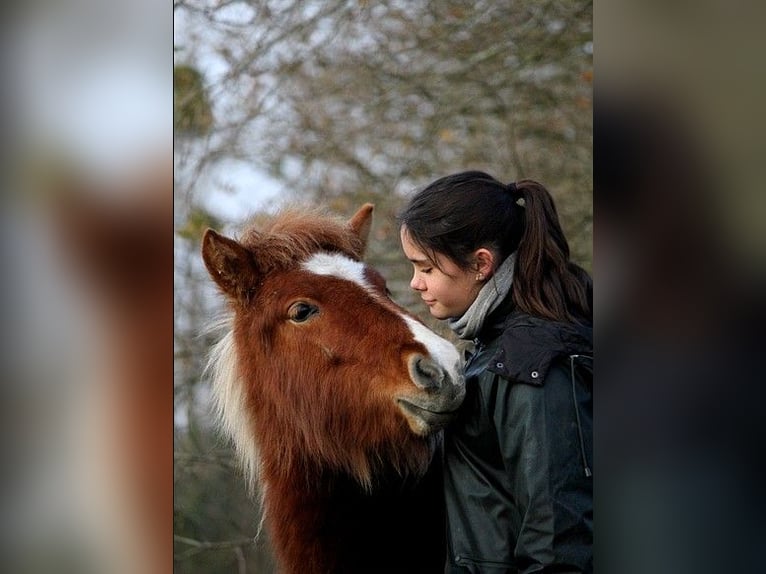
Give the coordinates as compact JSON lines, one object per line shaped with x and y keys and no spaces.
{"x":488,"y":299}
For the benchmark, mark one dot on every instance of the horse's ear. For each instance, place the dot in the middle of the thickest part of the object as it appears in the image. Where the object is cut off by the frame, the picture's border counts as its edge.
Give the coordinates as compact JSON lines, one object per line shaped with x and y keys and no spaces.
{"x":230,"y":265}
{"x":361,"y":223}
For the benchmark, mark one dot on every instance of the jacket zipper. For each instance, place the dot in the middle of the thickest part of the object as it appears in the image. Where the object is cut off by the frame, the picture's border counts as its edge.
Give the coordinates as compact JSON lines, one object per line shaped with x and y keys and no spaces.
{"x":572,"y":358}
{"x":478,"y":347}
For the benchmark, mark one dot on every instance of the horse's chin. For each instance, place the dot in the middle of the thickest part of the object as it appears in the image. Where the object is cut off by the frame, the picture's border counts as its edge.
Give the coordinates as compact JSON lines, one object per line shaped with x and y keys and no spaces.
{"x":425,"y":420}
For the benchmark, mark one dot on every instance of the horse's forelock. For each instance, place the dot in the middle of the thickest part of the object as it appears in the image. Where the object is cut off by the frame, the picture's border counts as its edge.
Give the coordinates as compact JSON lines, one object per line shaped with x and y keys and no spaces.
{"x":294,"y":235}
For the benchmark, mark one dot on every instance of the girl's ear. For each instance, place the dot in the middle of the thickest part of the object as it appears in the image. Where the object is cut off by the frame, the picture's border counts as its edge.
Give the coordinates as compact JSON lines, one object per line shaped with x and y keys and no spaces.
{"x":484,"y":261}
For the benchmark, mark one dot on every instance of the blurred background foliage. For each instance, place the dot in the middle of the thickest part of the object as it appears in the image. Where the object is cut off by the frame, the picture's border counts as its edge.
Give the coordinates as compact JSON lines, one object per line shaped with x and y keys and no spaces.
{"x":339,"y":103}
{"x":192,"y":112}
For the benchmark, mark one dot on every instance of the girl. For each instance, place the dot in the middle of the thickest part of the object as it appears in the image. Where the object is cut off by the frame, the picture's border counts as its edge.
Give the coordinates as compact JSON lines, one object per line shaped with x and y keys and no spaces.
{"x":492,"y":261}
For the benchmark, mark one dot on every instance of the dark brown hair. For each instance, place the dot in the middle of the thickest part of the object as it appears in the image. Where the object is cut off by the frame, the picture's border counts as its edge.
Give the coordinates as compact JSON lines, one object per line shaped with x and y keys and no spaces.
{"x":460,"y":213}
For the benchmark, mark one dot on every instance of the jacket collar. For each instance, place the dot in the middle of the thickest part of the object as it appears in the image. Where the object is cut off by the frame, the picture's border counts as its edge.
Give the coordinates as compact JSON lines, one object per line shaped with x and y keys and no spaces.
{"x":527,"y":345}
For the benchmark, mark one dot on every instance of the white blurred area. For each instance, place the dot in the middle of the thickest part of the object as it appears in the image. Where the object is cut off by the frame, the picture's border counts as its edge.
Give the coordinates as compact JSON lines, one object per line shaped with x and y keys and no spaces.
{"x":86,"y":293}
{"x":92,"y":82}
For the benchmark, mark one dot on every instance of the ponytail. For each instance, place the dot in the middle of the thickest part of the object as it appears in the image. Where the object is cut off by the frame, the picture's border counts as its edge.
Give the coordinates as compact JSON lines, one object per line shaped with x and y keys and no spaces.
{"x":546,"y":283}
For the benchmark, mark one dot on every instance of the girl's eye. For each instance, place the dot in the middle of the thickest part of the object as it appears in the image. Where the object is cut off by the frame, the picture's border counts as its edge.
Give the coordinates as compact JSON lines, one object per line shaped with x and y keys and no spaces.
{"x":426,"y":271}
{"x":301,"y":311}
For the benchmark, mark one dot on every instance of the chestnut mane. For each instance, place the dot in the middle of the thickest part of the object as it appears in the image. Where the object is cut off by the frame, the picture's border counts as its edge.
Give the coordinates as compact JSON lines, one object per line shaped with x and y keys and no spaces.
{"x":334,"y":396}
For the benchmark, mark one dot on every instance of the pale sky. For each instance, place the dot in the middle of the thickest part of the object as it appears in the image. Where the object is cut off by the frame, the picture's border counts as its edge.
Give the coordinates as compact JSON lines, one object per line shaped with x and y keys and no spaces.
{"x":232,"y":189}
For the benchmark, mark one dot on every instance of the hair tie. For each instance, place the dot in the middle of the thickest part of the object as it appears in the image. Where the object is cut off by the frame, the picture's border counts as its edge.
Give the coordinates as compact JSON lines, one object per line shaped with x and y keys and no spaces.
{"x":514,"y":191}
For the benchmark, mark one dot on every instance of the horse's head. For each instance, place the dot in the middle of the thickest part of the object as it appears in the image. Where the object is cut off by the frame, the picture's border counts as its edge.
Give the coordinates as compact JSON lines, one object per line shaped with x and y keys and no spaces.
{"x":328,"y":367}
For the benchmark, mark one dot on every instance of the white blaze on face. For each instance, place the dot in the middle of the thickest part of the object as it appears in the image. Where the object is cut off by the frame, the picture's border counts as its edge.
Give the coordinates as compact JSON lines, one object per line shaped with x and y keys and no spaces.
{"x":337,"y":265}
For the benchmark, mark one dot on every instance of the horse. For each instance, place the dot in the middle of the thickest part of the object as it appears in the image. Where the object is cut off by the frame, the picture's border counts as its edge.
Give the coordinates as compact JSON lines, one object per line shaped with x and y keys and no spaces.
{"x":334,"y":396}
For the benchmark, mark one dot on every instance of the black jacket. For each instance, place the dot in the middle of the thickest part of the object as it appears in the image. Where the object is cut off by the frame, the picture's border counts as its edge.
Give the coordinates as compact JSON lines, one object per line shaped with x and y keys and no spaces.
{"x":518,"y":460}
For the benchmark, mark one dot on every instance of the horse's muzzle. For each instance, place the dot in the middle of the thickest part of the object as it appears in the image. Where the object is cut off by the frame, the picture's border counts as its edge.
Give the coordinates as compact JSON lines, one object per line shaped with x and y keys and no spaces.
{"x":436,"y":398}
{"x":430,"y":376}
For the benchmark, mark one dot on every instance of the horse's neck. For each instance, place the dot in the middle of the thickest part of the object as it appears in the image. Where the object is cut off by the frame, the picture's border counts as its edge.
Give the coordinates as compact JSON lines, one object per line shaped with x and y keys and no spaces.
{"x":332,"y":525}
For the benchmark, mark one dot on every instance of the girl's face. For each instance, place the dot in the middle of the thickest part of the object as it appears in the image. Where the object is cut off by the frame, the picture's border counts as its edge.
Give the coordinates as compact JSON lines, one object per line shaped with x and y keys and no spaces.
{"x":447,"y":290}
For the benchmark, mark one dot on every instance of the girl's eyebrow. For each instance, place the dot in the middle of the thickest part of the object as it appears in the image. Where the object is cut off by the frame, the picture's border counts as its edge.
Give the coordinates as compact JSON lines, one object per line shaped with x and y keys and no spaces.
{"x":423,"y":260}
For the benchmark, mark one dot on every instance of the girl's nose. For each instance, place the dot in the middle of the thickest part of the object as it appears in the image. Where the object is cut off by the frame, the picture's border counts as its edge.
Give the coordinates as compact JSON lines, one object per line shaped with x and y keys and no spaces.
{"x":416,"y":283}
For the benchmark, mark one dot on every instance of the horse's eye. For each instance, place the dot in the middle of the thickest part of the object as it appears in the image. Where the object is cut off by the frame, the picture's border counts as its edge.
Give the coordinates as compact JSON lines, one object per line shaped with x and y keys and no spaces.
{"x":301,"y":311}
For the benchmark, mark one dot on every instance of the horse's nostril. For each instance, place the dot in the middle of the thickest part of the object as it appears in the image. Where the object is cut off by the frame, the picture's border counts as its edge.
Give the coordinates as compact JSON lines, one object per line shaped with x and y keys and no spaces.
{"x":427,"y":374}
